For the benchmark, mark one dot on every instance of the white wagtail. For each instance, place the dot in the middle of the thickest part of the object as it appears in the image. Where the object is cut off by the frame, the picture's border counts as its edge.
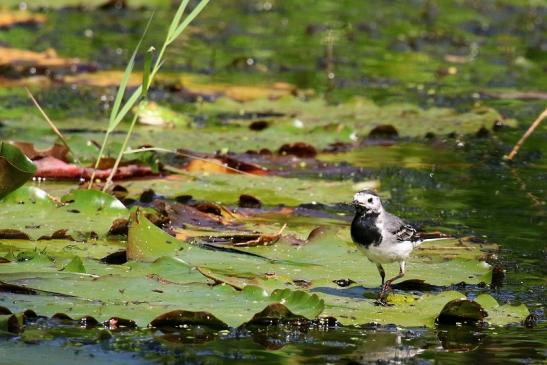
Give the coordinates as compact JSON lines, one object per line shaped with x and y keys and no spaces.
{"x":383,"y":237}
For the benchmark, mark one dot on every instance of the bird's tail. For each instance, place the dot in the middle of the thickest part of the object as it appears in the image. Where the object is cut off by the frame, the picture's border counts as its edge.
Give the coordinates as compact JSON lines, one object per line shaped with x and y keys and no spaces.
{"x":430,"y":236}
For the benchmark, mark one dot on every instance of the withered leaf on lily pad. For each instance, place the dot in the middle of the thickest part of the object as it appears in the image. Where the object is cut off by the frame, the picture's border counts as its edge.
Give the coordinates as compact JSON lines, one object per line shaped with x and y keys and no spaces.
{"x":244,"y":240}
{"x":59,"y":151}
{"x":53,"y":168}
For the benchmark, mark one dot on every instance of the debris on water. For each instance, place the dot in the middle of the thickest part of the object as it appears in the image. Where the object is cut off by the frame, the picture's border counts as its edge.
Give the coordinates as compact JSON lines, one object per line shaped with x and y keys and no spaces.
{"x":298,"y":149}
{"x":249,"y":201}
{"x":384,"y":131}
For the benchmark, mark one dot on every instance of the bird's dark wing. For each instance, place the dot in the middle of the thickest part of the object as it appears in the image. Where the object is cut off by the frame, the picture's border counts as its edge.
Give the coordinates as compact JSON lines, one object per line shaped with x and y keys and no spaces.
{"x":401,"y":230}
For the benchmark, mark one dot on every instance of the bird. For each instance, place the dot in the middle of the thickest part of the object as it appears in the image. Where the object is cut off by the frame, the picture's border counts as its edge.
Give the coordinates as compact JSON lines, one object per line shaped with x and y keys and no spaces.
{"x":381,"y":236}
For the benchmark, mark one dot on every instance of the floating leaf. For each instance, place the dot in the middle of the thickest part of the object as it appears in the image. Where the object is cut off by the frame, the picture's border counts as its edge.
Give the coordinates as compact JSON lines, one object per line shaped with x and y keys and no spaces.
{"x":22,"y":61}
{"x":146,"y":242}
{"x":84,"y":214}
{"x":10,"y":18}
{"x":196,"y":277}
{"x":461,"y":311}
{"x":242,"y":240}
{"x":15,"y":168}
{"x":299,"y":302}
{"x":11,"y":323}
{"x":501,"y":314}
{"x":275,"y":314}
{"x":75,"y":265}
{"x":179,"y":318}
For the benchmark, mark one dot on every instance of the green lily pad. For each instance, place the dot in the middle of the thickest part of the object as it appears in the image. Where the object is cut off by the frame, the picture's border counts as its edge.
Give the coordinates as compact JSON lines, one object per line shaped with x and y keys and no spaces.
{"x":501,"y":314}
{"x":15,"y":168}
{"x":75,"y":265}
{"x":62,"y":248}
{"x":352,"y":310}
{"x":144,"y":291}
{"x":283,"y":282}
{"x":83,"y":214}
{"x":271,"y":190}
{"x":146,"y":242}
{"x":10,"y":323}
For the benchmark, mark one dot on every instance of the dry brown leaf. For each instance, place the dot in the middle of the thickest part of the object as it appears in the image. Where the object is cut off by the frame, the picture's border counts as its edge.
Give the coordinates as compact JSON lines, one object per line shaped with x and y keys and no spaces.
{"x":22,"y":60}
{"x":224,"y":164}
{"x":189,"y":84}
{"x":103,"y":79}
{"x":212,"y":165}
{"x":203,"y":215}
{"x":32,"y":81}
{"x":263,"y":239}
{"x":244,"y":240}
{"x":235,"y":283}
{"x":9,"y":18}
{"x":58,"y":151}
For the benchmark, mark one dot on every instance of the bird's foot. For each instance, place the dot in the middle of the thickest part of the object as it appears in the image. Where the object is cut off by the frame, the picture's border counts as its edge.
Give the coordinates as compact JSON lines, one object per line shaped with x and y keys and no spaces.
{"x":386,"y":288}
{"x":381,"y":302}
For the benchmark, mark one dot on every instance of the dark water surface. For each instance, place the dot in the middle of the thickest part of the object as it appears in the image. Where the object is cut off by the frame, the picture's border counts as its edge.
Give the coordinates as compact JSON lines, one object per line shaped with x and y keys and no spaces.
{"x":390,"y":51}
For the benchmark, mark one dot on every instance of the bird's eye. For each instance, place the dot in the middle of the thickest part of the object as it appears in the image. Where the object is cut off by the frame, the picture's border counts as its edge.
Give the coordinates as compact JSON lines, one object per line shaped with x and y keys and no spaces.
{"x":370,"y":200}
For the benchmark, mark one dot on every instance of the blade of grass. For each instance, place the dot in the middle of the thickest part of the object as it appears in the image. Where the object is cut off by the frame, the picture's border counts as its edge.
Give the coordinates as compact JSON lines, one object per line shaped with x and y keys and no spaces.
{"x":146,"y":71}
{"x":127,"y":106}
{"x":175,"y":29}
{"x":120,"y":154}
{"x":115,"y":115}
{"x":49,"y":122}
{"x":182,"y":26}
{"x":178,"y":16}
{"x":114,"y":120}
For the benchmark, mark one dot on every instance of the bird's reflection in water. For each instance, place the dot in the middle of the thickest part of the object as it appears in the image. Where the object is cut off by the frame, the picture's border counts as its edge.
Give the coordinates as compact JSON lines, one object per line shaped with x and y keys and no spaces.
{"x":383,"y":347}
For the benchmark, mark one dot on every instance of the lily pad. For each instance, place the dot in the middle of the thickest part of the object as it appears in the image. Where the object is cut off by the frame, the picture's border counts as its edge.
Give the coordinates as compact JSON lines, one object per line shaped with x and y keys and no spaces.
{"x":75,"y":265}
{"x":461,"y":311}
{"x":271,"y":190}
{"x":501,"y":314}
{"x":83,"y":214}
{"x":146,"y":242}
{"x":15,"y":168}
{"x":277,"y":283}
{"x":142,"y":292}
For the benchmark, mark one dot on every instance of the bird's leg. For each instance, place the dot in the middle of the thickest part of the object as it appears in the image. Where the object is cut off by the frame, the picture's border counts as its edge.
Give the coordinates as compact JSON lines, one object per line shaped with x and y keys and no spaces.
{"x":387,"y":285}
{"x":382,"y":272}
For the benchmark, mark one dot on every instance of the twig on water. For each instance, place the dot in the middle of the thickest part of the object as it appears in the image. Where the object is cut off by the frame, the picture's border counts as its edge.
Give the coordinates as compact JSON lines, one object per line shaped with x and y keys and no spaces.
{"x":530,"y":130}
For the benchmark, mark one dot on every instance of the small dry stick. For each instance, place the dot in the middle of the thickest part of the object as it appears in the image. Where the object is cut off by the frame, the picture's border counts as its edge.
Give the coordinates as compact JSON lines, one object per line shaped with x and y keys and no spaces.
{"x":49,"y":122}
{"x":530,"y":130}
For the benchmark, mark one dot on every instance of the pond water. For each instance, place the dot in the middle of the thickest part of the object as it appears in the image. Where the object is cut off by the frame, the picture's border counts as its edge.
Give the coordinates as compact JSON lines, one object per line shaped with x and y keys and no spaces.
{"x":390,"y":52}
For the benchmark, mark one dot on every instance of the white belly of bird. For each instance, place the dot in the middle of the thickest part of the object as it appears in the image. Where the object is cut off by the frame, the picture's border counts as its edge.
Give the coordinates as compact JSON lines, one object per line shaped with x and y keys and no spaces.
{"x":389,"y":252}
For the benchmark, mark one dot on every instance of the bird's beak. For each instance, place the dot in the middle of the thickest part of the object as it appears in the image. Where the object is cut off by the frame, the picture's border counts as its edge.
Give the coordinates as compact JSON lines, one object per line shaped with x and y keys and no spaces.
{"x":358,"y":203}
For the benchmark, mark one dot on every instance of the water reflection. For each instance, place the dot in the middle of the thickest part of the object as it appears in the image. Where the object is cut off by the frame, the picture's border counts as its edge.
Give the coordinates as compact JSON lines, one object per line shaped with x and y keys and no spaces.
{"x":384,"y":347}
{"x":459,"y":338}
{"x":286,"y":345}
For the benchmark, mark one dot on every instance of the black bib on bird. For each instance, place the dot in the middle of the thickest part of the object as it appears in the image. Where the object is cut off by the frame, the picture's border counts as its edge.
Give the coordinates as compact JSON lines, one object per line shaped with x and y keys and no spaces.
{"x":364,"y":230}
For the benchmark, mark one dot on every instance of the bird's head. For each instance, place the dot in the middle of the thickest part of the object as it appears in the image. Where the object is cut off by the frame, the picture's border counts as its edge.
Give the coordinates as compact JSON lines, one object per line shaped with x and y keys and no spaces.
{"x":367,"y":202}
